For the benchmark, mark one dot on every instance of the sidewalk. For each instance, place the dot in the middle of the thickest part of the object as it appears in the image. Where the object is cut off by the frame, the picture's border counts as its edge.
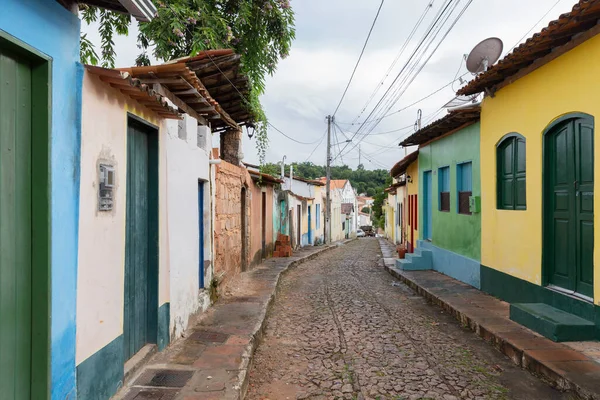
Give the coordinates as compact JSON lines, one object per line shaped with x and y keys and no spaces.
{"x":568,"y":366}
{"x":213,"y":359}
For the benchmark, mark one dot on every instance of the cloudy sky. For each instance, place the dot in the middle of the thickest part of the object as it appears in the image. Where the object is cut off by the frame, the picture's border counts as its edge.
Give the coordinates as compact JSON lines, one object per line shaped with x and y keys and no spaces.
{"x":330,"y":34}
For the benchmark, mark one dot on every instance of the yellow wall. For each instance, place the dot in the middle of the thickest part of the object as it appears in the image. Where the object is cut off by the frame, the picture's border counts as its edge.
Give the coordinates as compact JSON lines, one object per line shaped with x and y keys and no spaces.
{"x":512,"y":240}
{"x":413,"y":188}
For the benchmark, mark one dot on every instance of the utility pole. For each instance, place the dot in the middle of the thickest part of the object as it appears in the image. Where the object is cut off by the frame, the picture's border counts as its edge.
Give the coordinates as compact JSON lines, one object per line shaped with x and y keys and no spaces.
{"x":359,"y":154}
{"x":328,"y":181}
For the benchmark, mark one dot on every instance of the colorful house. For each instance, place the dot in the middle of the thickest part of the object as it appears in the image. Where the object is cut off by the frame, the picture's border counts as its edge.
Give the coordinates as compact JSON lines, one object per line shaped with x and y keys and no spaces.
{"x":394,"y":206}
{"x":538,"y":171}
{"x":406,"y":175}
{"x":449,"y":191}
{"x":305,"y":210}
{"x":41,"y":93}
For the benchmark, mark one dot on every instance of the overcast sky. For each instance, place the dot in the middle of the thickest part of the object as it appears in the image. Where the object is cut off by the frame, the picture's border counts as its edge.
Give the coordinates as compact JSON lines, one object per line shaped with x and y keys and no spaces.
{"x":308,"y":85}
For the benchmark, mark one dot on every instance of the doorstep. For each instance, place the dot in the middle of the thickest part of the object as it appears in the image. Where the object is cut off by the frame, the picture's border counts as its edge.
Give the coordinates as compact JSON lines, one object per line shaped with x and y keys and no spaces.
{"x":213,"y":358}
{"x":568,"y":366}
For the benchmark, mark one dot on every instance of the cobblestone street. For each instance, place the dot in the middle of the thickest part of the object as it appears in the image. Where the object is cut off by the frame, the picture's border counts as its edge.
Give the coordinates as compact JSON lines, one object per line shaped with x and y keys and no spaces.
{"x":341,"y":327}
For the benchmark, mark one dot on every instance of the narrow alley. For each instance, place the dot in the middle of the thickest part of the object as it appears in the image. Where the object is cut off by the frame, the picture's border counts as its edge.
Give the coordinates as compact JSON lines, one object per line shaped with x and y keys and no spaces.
{"x":341,"y":327}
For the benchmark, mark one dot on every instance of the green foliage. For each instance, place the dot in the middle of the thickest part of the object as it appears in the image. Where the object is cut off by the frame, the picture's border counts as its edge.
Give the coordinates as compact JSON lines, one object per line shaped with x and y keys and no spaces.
{"x":365,"y":210}
{"x":261,"y":31}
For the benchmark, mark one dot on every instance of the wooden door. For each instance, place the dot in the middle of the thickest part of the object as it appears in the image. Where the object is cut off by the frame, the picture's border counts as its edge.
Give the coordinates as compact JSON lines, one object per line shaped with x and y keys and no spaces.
{"x":569,"y":201}
{"x":309,"y":227}
{"x":263,"y":221}
{"x":15,"y":227}
{"x":201,"y":234}
{"x":299,"y":225}
{"x":135,"y":324}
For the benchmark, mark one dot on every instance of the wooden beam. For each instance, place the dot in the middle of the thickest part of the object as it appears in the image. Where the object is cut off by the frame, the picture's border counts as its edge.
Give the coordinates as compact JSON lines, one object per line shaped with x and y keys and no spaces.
{"x":162,"y":80}
{"x":179,"y":103}
{"x":203,"y":64}
{"x":183,"y":92}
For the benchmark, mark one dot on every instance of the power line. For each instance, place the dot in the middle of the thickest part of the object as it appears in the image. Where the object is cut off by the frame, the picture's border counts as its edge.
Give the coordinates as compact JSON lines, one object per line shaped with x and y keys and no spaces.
{"x":416,"y":63}
{"x":291,"y":138}
{"x":359,"y":57}
{"x":406,"y":42}
{"x":536,"y":24}
{"x":316,"y":147}
{"x":424,"y":39}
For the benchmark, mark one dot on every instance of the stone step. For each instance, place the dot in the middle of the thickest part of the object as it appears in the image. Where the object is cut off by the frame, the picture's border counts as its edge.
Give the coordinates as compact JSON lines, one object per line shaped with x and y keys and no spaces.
{"x":555,"y":324}
{"x":413,"y":264}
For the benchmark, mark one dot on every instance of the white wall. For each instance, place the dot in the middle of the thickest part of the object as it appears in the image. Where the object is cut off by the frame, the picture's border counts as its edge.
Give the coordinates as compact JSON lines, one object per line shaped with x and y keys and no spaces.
{"x":101,"y":245}
{"x":187,"y":164}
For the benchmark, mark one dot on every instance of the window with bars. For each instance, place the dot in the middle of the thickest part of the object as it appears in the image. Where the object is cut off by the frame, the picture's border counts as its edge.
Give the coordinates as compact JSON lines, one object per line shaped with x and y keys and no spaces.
{"x":444,"y":188}
{"x":511,"y":173}
{"x":464,"y":186}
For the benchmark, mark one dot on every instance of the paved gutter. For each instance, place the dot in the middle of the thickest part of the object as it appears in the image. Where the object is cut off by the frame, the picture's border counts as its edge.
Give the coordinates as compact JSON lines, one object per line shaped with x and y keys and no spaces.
{"x":564,"y":367}
{"x":213,"y":358}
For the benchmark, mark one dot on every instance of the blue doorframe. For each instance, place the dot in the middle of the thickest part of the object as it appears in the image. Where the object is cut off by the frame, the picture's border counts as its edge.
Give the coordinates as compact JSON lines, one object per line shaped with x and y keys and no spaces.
{"x":201,"y":234}
{"x":427,"y":205}
{"x":309,"y":226}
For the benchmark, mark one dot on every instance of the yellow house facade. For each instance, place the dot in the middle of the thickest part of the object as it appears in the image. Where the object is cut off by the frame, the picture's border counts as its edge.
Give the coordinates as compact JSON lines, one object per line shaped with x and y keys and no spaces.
{"x":538,"y":241}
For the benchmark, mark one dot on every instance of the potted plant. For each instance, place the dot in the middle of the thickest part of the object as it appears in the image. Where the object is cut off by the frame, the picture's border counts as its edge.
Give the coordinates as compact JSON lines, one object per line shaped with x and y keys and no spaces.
{"x":401,"y":249}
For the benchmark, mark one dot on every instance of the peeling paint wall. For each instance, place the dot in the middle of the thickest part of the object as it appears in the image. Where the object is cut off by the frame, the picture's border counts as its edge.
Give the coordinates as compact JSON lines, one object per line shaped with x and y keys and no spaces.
{"x":228,"y":257}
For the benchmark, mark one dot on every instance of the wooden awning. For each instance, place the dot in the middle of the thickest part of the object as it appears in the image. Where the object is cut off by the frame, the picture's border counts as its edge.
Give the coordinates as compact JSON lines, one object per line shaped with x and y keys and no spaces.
{"x":403,"y":164}
{"x":220,"y":72}
{"x":135,"y":89}
{"x":181,"y":85}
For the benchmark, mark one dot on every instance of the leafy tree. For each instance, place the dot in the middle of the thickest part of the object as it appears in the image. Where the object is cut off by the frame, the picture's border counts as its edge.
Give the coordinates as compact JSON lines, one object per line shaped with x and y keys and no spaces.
{"x":261,"y":31}
{"x":365,"y":210}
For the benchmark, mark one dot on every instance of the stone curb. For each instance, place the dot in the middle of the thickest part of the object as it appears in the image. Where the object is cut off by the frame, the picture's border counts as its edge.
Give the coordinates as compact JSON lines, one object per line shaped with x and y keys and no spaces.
{"x":520,"y":356}
{"x":257,"y":337}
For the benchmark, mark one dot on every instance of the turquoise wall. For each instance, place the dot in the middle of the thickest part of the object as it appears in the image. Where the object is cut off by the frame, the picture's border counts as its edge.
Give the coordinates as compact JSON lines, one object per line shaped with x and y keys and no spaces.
{"x":51,"y":29}
{"x":452,"y":231}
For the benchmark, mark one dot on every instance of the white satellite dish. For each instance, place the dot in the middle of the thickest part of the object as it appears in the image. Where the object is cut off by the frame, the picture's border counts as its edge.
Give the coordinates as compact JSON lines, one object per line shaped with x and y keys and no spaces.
{"x":484,"y":54}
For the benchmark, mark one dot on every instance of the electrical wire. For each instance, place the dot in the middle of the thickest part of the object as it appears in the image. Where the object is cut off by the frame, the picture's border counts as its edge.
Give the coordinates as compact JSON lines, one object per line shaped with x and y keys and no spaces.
{"x":359,"y":57}
{"x":291,"y":138}
{"x":317,"y":146}
{"x":533,"y":27}
{"x":453,"y":24}
{"x":405,"y":44}
{"x":429,"y":36}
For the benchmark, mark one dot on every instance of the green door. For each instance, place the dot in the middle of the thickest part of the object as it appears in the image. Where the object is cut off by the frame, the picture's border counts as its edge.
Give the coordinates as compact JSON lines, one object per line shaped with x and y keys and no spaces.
{"x":15,"y":227}
{"x":569,"y":204}
{"x":135,"y":324}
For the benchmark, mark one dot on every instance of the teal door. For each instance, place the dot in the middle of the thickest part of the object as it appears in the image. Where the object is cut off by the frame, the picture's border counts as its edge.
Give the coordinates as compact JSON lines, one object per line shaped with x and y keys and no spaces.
{"x":309,"y":226}
{"x":141,"y":240}
{"x":15,"y":227}
{"x":427,"y":205}
{"x":569,"y":205}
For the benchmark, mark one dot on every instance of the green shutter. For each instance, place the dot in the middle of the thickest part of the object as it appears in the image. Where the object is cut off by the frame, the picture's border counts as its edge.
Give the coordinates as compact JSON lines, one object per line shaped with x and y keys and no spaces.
{"x":519,"y":179}
{"x":511,"y":174}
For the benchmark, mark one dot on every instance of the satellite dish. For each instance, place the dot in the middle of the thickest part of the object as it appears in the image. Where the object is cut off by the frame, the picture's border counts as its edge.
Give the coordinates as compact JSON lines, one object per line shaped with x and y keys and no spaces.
{"x":484,"y":54}
{"x":460,"y":101}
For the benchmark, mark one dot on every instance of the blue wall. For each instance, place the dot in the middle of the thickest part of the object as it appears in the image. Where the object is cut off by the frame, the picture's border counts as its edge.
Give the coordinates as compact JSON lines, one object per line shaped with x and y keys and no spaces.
{"x":454,"y":265}
{"x":53,"y":30}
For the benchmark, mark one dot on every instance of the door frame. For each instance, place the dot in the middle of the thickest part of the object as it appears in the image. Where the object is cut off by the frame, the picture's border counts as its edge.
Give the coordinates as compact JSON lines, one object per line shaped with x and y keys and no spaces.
{"x":546,"y":210}
{"x":309,"y":226}
{"x":201,"y":271}
{"x":152,"y":305}
{"x":427,"y":208}
{"x":41,"y":238}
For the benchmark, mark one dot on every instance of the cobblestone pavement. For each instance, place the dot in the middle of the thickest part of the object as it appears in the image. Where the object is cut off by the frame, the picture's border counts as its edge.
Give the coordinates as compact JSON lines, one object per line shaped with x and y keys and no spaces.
{"x":342,"y":328}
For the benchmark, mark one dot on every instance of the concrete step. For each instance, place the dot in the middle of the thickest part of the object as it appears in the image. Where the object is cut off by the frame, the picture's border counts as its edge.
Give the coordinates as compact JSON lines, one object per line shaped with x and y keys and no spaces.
{"x":555,"y":324}
{"x":413,"y":264}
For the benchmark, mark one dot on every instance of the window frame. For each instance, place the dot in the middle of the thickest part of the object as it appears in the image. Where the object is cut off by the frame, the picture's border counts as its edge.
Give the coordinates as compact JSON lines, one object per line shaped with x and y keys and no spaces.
{"x":513,"y":139}
{"x":449,"y":191}
{"x":459,"y":185}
